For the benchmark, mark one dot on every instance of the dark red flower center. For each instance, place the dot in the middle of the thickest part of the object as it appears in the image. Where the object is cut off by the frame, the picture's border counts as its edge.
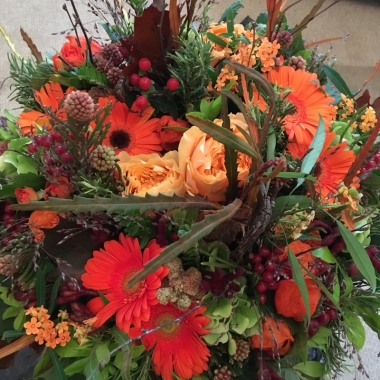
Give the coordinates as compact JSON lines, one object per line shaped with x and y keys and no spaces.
{"x":298,"y":113}
{"x":120,"y":139}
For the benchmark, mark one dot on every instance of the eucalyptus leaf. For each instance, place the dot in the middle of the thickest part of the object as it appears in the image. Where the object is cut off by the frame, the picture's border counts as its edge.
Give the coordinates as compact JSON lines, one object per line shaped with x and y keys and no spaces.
{"x":40,"y":287}
{"x":313,"y":369}
{"x":59,"y":371}
{"x":354,"y":330}
{"x":197,"y":232}
{"x":324,"y":254}
{"x":337,"y":80}
{"x":232,"y":11}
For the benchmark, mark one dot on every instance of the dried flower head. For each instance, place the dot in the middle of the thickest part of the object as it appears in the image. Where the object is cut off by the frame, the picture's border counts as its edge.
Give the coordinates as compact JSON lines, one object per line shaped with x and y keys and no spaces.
{"x":103,"y":158}
{"x":79,"y":106}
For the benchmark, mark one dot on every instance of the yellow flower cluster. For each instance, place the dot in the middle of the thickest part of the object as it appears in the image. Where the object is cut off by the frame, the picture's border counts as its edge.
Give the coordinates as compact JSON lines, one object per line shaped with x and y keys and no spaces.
{"x":368,"y":120}
{"x":294,"y":224}
{"x":267,"y":52}
{"x":82,"y":330}
{"x":44,"y":329}
{"x":345,"y":107}
{"x":227,"y":74}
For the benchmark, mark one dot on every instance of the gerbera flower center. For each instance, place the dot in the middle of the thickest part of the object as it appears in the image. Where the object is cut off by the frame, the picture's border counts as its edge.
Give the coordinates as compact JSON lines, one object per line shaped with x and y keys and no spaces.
{"x":299,"y":112}
{"x":169,"y":328}
{"x":134,"y":292}
{"x":120,"y":139}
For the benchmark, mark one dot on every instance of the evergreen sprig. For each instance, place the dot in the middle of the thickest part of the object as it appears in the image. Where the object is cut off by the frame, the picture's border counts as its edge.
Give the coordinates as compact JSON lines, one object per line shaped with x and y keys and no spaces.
{"x":191,"y":63}
{"x":22,"y":71}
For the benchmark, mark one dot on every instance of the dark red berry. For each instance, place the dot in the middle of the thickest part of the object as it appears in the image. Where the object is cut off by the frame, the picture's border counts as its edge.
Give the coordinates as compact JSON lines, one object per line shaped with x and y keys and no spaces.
{"x":353,"y":270}
{"x":46,"y":141}
{"x":370,"y":165}
{"x":57,"y":137}
{"x":67,"y":157}
{"x":376,"y":157}
{"x":263,"y":298}
{"x":313,"y":327}
{"x":258,"y":268}
{"x":272,"y":285}
{"x":264,"y":251}
{"x":270,"y":266}
{"x":323,"y":319}
{"x":60,"y":149}
{"x":261,"y":287}
{"x":256,"y":259}
{"x":134,"y":79}
{"x":332,"y":314}
{"x":7,"y":209}
{"x":57,"y":171}
{"x":38,"y":140}
{"x":144,"y":83}
{"x":32,"y":147}
{"x":49,"y":160}
{"x":8,"y":217}
{"x":287,"y":270}
{"x":278,"y":251}
{"x":123,"y":51}
{"x":174,"y":236}
{"x":49,"y":171}
{"x":172,"y":84}
{"x":141,"y":102}
{"x":71,"y":135}
{"x":145,"y":64}
{"x":267,"y":277}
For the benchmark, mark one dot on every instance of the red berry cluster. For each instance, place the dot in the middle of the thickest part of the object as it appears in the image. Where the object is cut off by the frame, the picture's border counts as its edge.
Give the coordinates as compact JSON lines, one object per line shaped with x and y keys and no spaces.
{"x":53,"y":151}
{"x":371,"y":165}
{"x":265,"y":265}
{"x":328,"y":314}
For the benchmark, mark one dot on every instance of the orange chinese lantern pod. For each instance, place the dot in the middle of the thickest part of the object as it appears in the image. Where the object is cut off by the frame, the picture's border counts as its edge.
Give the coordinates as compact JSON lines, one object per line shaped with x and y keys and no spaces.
{"x":45,"y":219}
{"x":275,"y":339}
{"x":289,"y":302}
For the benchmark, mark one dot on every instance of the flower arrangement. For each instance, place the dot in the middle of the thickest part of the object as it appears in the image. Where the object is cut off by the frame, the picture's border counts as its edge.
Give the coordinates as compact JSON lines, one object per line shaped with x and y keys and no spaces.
{"x":188,"y":200}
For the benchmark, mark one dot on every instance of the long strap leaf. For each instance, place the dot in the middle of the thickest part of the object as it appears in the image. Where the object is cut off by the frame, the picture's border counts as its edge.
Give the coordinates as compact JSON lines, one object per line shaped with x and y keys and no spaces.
{"x":198,"y":231}
{"x":117,"y":204}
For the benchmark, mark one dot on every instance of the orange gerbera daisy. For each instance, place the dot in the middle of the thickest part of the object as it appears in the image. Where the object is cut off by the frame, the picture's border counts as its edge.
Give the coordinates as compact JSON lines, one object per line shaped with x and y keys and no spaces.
{"x":110,"y":270}
{"x":332,"y":167}
{"x":50,"y":96}
{"x":176,"y":346}
{"x":131,"y":130}
{"x":309,"y":100}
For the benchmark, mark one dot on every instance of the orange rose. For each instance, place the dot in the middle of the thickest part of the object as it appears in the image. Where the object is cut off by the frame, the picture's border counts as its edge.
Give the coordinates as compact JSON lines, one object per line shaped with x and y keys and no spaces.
{"x":26,"y":195}
{"x":170,"y":137}
{"x":201,"y":161}
{"x":46,"y":219}
{"x":289,"y":302}
{"x":57,"y":63}
{"x":152,"y":174}
{"x":59,"y":187}
{"x":276,"y":338}
{"x":73,"y":54}
{"x":95,"y":46}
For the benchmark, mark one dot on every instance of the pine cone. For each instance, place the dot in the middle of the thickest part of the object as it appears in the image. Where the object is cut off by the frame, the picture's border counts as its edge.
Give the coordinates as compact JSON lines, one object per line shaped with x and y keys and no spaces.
{"x":222,"y":373}
{"x":103,"y":158}
{"x":298,"y":63}
{"x":79,"y":106}
{"x":242,"y":350}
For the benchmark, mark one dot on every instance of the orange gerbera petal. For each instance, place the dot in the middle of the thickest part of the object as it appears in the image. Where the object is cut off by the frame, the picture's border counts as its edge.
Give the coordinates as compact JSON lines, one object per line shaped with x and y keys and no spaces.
{"x":50,"y":96}
{"x":289,"y":302}
{"x":110,"y":270}
{"x":131,"y":130}
{"x":275,"y":338}
{"x":176,"y":346}
{"x":332,"y":167}
{"x":309,"y":100}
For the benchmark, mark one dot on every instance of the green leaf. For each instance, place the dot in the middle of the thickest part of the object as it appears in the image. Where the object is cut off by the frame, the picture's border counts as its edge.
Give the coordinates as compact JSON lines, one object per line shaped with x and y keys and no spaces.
{"x":299,"y":279}
{"x":223,"y":135}
{"x":103,"y":298}
{"x":25,"y":165}
{"x":358,"y":254}
{"x":262,"y":18}
{"x":53,"y":294}
{"x":118,"y":204}
{"x":41,"y":75}
{"x":92,"y":370}
{"x":216,"y":40}
{"x":337,"y":80}
{"x":59,"y":372}
{"x":10,"y":312}
{"x":76,"y":367}
{"x":40,"y":287}
{"x":18,"y":323}
{"x":287,"y":202}
{"x":324,"y":254}
{"x":231,"y":12}
{"x":372,"y":182}
{"x":102,"y":353}
{"x":198,"y":231}
{"x":313,"y":369}
{"x":315,"y":150}
{"x":230,"y":20}
{"x":11,"y":334}
{"x":42,"y":364}
{"x":355,"y":330}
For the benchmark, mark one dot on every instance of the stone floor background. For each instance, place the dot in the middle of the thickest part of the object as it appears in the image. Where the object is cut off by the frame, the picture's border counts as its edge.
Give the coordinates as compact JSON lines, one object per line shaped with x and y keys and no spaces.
{"x":356,"y":57}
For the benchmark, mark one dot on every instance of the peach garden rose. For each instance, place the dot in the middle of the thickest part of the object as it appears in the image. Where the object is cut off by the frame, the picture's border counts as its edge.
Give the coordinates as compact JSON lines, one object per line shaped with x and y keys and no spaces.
{"x":201,"y":159}
{"x":152,"y":174}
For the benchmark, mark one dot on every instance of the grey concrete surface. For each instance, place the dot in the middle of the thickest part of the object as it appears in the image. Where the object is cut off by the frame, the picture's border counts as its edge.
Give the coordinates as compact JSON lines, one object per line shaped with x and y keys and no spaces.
{"x":356,"y":57}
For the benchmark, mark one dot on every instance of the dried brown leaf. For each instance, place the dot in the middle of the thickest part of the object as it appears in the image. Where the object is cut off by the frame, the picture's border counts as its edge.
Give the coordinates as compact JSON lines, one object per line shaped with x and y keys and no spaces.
{"x":31,"y":45}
